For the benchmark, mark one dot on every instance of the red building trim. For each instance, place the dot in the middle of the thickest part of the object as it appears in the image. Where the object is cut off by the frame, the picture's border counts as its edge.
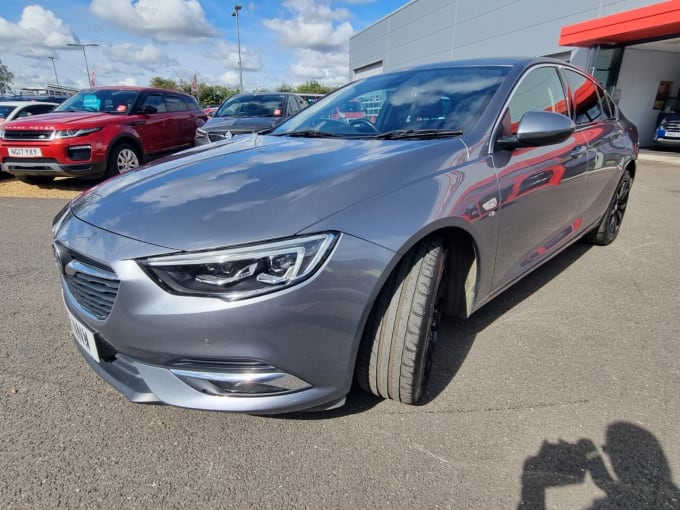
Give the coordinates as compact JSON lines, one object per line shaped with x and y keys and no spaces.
{"x":646,"y":23}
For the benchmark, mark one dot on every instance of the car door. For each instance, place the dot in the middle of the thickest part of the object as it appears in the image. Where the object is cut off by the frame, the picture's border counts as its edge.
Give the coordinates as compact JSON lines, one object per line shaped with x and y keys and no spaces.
{"x":152,"y":123}
{"x":540,"y":187}
{"x":595,"y":118}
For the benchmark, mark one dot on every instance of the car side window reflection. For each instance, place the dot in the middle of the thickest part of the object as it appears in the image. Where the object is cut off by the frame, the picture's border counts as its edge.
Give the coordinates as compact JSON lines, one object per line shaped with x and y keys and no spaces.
{"x":584,"y":97}
{"x":539,"y":90}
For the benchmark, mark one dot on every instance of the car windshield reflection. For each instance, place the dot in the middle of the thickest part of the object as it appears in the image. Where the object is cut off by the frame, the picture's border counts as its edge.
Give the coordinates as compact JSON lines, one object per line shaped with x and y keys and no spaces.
{"x":417,"y":104}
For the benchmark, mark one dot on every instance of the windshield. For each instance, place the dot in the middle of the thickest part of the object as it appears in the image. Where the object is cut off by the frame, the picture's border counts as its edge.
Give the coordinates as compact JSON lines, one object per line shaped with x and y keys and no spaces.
{"x":252,"y":105}
{"x":5,"y":111}
{"x":430,"y":102}
{"x":106,"y":100}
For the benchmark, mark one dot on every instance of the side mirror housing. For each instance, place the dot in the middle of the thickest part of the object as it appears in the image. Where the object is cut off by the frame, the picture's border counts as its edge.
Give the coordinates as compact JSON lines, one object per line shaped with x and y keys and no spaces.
{"x":537,"y":129}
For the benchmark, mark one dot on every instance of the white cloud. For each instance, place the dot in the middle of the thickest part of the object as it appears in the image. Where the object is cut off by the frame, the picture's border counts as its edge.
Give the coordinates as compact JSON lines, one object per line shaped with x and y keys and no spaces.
{"x":38,"y":33}
{"x":314,"y":25}
{"x":331,"y":69}
{"x":150,"y":56}
{"x":161,"y":20}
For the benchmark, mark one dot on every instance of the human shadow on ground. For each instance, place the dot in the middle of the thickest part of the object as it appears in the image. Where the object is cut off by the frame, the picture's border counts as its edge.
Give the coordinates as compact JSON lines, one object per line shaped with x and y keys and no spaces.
{"x":641,"y":479}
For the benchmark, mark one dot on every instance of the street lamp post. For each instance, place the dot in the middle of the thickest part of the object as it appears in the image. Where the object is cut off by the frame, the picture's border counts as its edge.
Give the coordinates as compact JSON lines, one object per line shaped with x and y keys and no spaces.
{"x":87,"y":68}
{"x":55,"y":70}
{"x":238,"y":38}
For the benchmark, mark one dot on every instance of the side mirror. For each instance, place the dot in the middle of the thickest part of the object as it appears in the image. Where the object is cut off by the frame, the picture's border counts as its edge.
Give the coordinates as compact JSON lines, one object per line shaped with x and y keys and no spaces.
{"x":537,"y":129}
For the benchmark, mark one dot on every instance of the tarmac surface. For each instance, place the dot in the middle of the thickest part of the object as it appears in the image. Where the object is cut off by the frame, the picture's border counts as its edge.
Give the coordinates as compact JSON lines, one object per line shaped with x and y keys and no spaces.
{"x":561,"y":393}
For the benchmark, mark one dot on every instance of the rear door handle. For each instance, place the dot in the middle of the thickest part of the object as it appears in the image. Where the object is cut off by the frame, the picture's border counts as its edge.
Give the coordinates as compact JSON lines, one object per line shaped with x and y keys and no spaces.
{"x":578,"y":151}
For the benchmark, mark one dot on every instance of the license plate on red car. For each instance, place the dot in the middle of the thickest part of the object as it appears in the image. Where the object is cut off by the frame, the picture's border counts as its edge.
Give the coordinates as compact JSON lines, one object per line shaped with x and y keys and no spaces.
{"x":25,"y":152}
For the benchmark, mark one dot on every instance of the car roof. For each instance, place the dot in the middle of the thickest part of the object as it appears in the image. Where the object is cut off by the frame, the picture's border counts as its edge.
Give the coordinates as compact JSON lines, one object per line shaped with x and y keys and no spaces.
{"x":26,"y":103}
{"x":132,"y":88}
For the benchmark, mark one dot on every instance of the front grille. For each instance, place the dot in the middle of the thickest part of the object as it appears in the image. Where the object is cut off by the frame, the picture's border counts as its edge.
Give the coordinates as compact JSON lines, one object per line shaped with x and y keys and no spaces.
{"x":93,"y":286}
{"x":32,"y":135}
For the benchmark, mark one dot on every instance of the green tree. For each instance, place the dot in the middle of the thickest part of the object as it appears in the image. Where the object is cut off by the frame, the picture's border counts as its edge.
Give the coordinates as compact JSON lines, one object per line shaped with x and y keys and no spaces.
{"x":164,"y":83}
{"x":284,"y":87}
{"x":6,"y":78}
{"x":312,"y":87}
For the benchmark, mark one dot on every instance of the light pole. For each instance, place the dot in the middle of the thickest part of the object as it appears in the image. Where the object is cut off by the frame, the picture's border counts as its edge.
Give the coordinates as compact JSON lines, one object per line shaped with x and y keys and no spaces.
{"x":87,"y":68}
{"x":238,"y":38}
{"x":55,"y":70}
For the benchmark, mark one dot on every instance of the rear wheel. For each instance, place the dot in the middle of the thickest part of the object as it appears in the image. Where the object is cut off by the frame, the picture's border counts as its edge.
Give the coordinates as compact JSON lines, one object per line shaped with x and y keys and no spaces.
{"x":396,"y":352}
{"x":36,"y":179}
{"x":123,"y":158}
{"x":610,"y":224}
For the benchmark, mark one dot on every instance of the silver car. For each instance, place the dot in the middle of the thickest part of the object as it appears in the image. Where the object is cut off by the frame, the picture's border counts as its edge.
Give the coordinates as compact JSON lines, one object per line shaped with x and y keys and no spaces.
{"x":266,"y":273}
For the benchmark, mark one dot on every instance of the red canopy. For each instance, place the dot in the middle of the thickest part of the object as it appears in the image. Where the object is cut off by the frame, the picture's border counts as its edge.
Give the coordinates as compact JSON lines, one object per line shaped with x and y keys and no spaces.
{"x":656,"y":21}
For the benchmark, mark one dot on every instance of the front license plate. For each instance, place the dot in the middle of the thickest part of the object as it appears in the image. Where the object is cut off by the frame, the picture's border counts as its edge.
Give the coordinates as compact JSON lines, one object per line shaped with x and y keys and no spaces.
{"x":84,"y":337}
{"x":25,"y":152}
{"x":672,"y":134}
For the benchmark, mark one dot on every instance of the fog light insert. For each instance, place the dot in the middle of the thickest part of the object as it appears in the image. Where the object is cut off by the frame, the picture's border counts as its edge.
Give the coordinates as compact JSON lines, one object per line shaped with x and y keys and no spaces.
{"x":241,"y":383}
{"x":79,"y":152}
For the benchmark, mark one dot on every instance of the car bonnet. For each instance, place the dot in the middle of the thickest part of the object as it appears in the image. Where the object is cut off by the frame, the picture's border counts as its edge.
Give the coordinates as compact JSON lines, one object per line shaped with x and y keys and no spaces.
{"x":255,"y":188}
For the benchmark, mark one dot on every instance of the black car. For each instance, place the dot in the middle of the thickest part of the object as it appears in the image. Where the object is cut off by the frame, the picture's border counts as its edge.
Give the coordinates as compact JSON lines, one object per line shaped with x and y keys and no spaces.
{"x":248,"y":113}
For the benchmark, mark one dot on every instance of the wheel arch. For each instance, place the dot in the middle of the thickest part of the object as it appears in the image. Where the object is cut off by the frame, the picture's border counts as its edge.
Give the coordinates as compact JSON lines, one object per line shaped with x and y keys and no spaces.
{"x":125,"y":138}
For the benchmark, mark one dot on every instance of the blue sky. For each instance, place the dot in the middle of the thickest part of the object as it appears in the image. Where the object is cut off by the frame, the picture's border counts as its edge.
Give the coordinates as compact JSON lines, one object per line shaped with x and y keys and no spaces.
{"x":291,"y":41}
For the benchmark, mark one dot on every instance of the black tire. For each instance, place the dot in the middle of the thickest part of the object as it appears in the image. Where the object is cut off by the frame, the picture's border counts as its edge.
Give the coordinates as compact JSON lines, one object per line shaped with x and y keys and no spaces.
{"x":122,"y":158}
{"x":610,"y":224}
{"x":36,"y":179}
{"x":396,"y":351}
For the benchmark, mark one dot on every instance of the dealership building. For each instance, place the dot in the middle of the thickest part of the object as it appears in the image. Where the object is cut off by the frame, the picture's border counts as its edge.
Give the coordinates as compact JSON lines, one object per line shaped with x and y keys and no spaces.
{"x":631,"y":46}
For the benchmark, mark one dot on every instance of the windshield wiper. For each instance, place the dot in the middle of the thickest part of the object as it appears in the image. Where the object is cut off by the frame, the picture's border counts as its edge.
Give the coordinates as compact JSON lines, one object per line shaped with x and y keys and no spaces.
{"x":311,"y":133}
{"x":425,"y":134}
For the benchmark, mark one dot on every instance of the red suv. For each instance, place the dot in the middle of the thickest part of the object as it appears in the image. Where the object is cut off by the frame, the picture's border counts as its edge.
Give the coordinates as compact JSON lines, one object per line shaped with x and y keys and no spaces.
{"x":99,"y":132}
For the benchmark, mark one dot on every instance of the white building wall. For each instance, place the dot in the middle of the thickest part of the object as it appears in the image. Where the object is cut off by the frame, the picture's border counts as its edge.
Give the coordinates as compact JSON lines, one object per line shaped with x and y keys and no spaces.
{"x":425,"y":31}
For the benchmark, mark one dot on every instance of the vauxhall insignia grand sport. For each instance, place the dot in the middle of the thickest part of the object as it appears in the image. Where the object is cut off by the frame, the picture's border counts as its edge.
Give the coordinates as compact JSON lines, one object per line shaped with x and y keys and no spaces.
{"x":268,"y":272}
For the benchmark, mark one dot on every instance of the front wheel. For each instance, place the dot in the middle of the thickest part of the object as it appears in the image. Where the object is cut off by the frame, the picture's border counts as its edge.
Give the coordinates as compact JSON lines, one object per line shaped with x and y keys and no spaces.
{"x":610,"y":224}
{"x":397,"y":346}
{"x":123,"y":158}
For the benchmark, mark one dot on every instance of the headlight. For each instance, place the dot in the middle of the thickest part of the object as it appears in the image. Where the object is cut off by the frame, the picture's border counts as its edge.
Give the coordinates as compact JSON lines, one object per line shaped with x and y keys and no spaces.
{"x":240,"y":273}
{"x":663,"y":123}
{"x":72,"y":133}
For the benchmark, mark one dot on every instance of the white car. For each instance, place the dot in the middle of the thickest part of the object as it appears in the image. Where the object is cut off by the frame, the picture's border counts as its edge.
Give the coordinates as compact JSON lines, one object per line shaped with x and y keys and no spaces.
{"x":10,"y":110}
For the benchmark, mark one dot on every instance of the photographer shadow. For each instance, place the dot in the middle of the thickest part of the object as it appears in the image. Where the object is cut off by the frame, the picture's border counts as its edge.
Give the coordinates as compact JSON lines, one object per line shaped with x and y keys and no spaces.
{"x":641,"y":479}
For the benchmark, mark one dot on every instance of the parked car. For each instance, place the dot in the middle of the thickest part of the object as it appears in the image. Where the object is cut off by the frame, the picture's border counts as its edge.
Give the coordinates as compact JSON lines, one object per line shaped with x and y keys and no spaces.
{"x":668,"y":123}
{"x":265,"y":273}
{"x":99,"y":132}
{"x":10,"y":110}
{"x":311,"y":98}
{"x":248,"y":113}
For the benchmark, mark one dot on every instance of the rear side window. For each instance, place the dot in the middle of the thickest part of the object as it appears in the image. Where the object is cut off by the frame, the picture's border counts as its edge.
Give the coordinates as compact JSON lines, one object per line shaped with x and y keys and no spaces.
{"x":539,"y":90}
{"x":175,"y":104}
{"x":584,"y":97}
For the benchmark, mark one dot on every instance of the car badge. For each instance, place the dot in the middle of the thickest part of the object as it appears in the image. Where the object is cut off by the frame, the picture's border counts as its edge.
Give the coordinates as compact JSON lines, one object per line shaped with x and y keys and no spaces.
{"x":228,"y":135}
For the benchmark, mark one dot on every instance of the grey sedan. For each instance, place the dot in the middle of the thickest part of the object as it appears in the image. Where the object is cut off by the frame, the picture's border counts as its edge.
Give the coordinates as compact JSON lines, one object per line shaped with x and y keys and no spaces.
{"x":266,"y":273}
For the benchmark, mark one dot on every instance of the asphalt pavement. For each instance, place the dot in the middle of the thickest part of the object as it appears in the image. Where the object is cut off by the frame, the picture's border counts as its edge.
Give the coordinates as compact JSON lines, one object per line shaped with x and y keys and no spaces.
{"x":561,"y":393}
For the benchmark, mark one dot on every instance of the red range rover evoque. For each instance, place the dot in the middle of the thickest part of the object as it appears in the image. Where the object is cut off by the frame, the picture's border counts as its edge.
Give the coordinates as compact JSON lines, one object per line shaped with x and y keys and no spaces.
{"x":100,"y":132}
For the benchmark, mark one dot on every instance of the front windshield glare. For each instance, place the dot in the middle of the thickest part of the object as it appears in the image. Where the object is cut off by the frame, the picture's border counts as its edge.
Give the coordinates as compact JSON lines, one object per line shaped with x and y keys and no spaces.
{"x":108,"y":101}
{"x":434,"y":101}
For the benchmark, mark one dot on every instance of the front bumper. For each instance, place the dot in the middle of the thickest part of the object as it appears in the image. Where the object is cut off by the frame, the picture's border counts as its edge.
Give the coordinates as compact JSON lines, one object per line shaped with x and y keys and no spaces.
{"x":286,"y":351}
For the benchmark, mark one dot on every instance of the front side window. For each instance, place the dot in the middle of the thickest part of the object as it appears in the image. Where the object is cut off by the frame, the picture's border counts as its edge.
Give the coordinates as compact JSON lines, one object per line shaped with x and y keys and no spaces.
{"x":539,"y":90}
